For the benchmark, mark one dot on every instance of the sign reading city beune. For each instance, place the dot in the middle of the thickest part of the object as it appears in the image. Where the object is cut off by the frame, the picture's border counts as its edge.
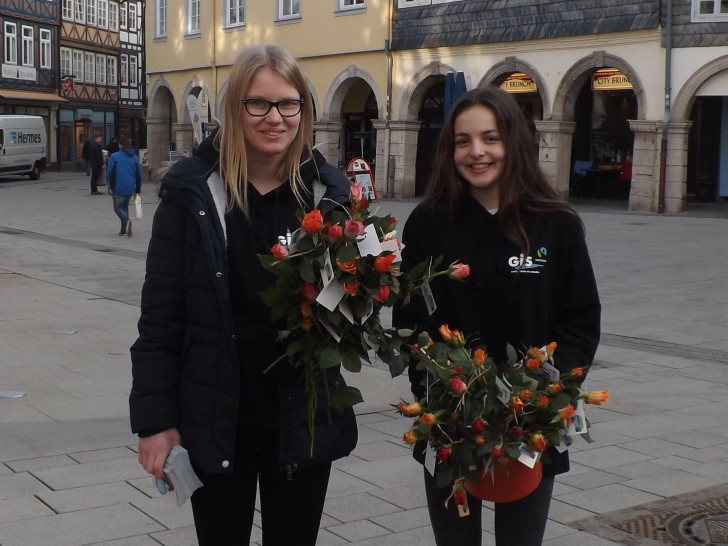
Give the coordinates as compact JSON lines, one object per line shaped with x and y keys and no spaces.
{"x":15,"y":72}
{"x":19,"y":137}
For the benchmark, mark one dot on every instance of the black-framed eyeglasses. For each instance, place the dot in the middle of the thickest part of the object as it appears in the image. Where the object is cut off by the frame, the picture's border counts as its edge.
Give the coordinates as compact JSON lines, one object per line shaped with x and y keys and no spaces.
{"x":260,"y":107}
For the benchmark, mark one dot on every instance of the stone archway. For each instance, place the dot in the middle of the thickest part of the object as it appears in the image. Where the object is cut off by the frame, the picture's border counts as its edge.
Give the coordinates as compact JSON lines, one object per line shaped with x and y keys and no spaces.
{"x":162,"y":114}
{"x":556,"y":131}
{"x":513,"y":64}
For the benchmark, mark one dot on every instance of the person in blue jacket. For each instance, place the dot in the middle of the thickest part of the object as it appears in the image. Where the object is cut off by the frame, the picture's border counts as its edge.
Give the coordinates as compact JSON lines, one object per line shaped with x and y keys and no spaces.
{"x":206,"y":337}
{"x":489,"y":205}
{"x":124,"y":174}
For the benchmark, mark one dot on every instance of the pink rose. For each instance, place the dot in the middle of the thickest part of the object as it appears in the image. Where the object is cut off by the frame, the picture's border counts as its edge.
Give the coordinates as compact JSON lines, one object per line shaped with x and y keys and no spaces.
{"x":309,"y":291}
{"x":353,"y":228}
{"x":279,"y":251}
{"x":459,"y":271}
{"x":335,"y":234}
{"x":458,"y":386}
{"x":356,"y":191}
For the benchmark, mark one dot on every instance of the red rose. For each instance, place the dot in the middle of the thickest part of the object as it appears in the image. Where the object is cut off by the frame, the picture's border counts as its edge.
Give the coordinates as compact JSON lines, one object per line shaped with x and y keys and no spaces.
{"x":478,"y":425}
{"x":309,"y":291}
{"x":443,"y":453}
{"x":382,"y":295}
{"x":279,"y":251}
{"x":458,"y":386}
{"x":335,"y":234}
{"x":382,"y":264}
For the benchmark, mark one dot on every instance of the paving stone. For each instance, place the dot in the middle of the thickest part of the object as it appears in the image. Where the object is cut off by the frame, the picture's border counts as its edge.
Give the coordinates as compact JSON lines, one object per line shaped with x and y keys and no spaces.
{"x":22,"y":484}
{"x":608,"y":498}
{"x":91,"y":473}
{"x":82,"y":498}
{"x":361,"y":506}
{"x":403,"y":521}
{"x":671,"y":484}
{"x":358,"y":530}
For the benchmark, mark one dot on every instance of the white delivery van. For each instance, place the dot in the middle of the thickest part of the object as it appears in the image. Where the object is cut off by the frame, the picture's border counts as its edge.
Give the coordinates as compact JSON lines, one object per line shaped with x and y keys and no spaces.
{"x":23,"y":145}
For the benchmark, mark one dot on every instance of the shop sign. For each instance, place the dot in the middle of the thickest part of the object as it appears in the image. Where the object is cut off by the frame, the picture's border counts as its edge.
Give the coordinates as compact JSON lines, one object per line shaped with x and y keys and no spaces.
{"x":609,"y":78}
{"x":518,"y":82}
{"x":15,"y":72}
{"x":83,"y":113}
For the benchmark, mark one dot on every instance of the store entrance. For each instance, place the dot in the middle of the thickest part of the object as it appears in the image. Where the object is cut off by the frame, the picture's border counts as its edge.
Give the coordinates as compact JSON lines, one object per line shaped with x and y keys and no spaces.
{"x":601,"y":150}
{"x":704,"y":150}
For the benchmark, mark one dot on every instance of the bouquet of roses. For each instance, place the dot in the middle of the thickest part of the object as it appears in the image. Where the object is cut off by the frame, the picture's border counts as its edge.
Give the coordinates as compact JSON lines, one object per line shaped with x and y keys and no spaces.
{"x":334,"y":275}
{"x":478,"y":414}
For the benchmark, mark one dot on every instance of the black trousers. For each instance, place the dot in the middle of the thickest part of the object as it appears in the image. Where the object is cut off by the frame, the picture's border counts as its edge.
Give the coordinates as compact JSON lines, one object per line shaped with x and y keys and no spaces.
{"x":95,"y":176}
{"x":290,"y":510}
{"x":518,"y":523}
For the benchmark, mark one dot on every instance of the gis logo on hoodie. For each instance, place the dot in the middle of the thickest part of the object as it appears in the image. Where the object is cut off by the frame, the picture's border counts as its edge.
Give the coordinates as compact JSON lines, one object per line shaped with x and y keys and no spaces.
{"x":528,"y":264}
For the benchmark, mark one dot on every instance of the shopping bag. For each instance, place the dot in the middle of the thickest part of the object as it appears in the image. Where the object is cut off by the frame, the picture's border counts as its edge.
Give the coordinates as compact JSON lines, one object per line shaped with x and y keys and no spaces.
{"x":138,"y":206}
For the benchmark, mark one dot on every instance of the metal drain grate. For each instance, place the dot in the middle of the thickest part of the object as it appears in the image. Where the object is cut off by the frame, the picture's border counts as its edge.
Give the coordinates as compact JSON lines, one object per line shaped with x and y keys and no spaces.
{"x":704,"y":524}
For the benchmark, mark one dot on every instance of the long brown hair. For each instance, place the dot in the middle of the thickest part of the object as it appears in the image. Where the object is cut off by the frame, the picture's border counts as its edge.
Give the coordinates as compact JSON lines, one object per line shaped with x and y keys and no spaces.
{"x":229,"y":139}
{"x":522,"y":182}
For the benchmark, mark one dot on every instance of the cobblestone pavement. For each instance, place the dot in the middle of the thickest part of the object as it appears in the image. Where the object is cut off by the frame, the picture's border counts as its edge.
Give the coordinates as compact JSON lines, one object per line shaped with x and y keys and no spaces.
{"x":69,"y":295}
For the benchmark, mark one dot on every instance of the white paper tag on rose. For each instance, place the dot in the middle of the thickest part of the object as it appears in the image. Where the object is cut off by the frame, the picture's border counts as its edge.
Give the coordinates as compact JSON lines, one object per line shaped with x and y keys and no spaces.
{"x":504,"y":392}
{"x":430,"y":459}
{"x":577,"y":425}
{"x":552,"y":374}
{"x":429,"y":297}
{"x":566,"y":441}
{"x":392,"y":245}
{"x":528,"y":457}
{"x":370,"y":243}
{"x":331,"y":295}
{"x":294,"y":239}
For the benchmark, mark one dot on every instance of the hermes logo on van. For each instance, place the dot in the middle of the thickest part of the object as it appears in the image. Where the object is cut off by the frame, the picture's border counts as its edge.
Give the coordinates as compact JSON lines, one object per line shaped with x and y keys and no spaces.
{"x":19,"y":137}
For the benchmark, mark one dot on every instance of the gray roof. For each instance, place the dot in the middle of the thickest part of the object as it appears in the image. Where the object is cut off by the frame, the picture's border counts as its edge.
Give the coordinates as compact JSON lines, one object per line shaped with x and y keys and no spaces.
{"x":491,"y":21}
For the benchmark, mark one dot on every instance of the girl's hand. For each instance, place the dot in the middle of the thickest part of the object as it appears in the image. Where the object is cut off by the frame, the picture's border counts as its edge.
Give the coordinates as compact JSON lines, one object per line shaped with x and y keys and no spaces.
{"x":153,"y":450}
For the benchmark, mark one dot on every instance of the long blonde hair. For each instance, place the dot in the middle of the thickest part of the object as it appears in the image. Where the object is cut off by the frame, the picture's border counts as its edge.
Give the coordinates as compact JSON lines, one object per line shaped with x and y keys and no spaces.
{"x":229,"y":139}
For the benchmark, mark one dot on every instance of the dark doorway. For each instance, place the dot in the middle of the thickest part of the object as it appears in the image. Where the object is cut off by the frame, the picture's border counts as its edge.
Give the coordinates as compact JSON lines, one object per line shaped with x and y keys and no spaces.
{"x":704,"y":150}
{"x":430,"y":117}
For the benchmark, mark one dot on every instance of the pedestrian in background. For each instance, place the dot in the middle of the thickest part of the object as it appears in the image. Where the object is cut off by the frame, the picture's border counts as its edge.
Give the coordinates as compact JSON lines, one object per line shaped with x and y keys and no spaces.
{"x":113,"y":146}
{"x":206,"y":338}
{"x":124,"y":173}
{"x":488,"y":204}
{"x":96,"y":161}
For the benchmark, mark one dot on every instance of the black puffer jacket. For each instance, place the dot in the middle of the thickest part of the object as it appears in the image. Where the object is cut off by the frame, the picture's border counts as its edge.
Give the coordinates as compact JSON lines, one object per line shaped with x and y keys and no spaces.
{"x":185,"y":364}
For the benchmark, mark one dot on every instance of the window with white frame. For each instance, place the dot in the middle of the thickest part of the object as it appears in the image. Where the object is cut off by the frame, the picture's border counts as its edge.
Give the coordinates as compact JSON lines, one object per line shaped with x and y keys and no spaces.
{"x":160,"y":23}
{"x":78,"y":65}
{"x":124,"y":70}
{"x":67,"y":9}
{"x":710,"y":10}
{"x":91,"y":12}
{"x":27,"y":47}
{"x":234,"y":13}
{"x":113,"y":16}
{"x":132,"y":16}
{"x":66,"y":68}
{"x":413,"y":3}
{"x":193,"y":16}
{"x":122,"y":15}
{"x":103,"y":13}
{"x":133,"y":74}
{"x":351,"y":4}
{"x":289,"y":9}
{"x":101,"y":69}
{"x":111,"y":71}
{"x":80,"y":11}
{"x":90,"y":67}
{"x":11,"y":43}
{"x":45,"y":48}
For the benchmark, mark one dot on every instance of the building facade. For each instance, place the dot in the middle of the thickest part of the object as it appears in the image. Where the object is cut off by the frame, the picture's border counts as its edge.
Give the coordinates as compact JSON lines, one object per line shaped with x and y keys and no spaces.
{"x":132,"y":81}
{"x":594,"y":79}
{"x":341,"y":45}
{"x":89,"y":56}
{"x":29,"y":76}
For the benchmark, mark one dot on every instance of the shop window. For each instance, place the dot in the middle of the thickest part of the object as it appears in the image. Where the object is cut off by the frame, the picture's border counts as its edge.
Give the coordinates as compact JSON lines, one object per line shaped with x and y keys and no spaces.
{"x":709,"y":10}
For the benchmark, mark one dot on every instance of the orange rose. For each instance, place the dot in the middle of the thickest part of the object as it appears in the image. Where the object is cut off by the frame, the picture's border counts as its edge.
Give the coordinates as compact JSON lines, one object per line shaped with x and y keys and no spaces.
{"x":550,"y":348}
{"x":346,"y":267}
{"x":576,"y":372}
{"x":537,"y":442}
{"x":307,"y":323}
{"x":525,"y":395}
{"x":543,"y":401}
{"x":566,"y":412}
{"x":351,"y":287}
{"x":428,"y":419}
{"x":479,"y":440}
{"x":382,"y":264}
{"x":597,"y":397}
{"x":409,"y":437}
{"x":532,"y":364}
{"x":305,"y":308}
{"x":479,"y":357}
{"x":516,"y":403}
{"x":409,"y":410}
{"x":553,"y":388}
{"x":313,"y":221}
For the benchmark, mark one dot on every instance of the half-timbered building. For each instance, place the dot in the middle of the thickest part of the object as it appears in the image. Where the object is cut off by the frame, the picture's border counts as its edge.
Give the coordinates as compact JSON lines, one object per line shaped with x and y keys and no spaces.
{"x":29,"y":76}
{"x":89,"y":55}
{"x":132,"y":88}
